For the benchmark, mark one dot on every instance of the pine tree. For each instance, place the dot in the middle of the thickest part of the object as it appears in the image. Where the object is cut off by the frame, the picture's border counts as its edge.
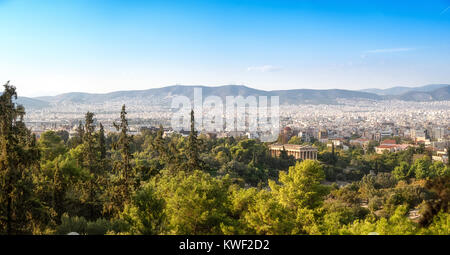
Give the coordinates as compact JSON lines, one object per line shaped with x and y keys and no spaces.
{"x":283,"y":154}
{"x":102,"y":142}
{"x":89,"y":141}
{"x":333,"y":154}
{"x":122,"y":185}
{"x":123,"y":145}
{"x":193,"y":148}
{"x":18,"y":156}
{"x":91,"y":163}
{"x":59,"y":190}
{"x":159,"y":144}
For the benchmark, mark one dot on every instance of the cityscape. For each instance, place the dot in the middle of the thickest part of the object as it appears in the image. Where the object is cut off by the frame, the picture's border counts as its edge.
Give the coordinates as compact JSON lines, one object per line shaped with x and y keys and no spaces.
{"x":346,"y":123}
{"x":225,"y":126}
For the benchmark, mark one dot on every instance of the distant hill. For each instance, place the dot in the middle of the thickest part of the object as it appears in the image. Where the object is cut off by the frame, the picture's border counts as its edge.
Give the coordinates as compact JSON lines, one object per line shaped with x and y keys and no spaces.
{"x":163,"y":96}
{"x":157,"y":93}
{"x":397,"y":91}
{"x":31,"y":102}
{"x":439,"y":94}
{"x":311,"y":96}
{"x":297,"y":96}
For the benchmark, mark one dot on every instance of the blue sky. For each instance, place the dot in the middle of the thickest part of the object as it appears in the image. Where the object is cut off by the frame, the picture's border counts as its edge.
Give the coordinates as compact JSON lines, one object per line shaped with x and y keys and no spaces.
{"x":49,"y":47}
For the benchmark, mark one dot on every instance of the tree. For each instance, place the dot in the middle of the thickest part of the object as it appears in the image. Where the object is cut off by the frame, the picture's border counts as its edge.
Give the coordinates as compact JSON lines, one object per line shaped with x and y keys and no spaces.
{"x":51,"y":145}
{"x":295,"y":140}
{"x":196,"y":203}
{"x":121,"y":186}
{"x":159,"y":145}
{"x":18,"y":156}
{"x":421,"y":168}
{"x":333,"y":154}
{"x":78,"y":138}
{"x":439,"y":169}
{"x":397,"y":224}
{"x":145,"y":214}
{"x":283,"y":154}
{"x":90,"y":153}
{"x":59,"y":190}
{"x":193,"y":148}
{"x":91,"y":162}
{"x":402,"y":172}
{"x":102,"y":142}
{"x":64,"y":135}
{"x":123,"y":145}
{"x":440,"y":186}
{"x":60,"y":184}
{"x":439,"y":226}
{"x":301,"y":187}
{"x":267,"y":216}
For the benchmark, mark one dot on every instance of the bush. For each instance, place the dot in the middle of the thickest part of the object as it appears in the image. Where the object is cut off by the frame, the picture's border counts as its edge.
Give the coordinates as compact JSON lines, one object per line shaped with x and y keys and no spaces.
{"x":98,"y":227}
{"x":72,"y":224}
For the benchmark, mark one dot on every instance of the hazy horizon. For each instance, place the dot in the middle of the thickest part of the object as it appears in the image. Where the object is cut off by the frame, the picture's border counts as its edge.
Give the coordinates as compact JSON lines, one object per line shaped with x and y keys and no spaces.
{"x":202,"y":85}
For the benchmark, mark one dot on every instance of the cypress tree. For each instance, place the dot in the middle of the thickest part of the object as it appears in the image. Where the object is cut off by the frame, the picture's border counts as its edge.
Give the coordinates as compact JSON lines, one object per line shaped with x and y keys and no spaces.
{"x":123,"y":144}
{"x":159,"y":145}
{"x":90,"y":162}
{"x":122,"y":185}
{"x":59,"y":190}
{"x":102,"y":142}
{"x":193,"y":148}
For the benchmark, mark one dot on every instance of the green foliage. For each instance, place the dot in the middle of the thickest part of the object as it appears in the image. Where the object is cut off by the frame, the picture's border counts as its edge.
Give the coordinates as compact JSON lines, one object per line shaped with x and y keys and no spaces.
{"x":193,"y":148}
{"x":439,"y":226}
{"x":51,"y":145}
{"x":145,"y":214}
{"x":267,"y":216}
{"x":151,"y":183}
{"x":19,"y":156}
{"x":301,"y":187}
{"x":81,"y":226}
{"x":397,"y":224}
{"x":295,"y":140}
{"x":421,"y":168}
{"x":72,"y":224}
{"x":402,"y":172}
{"x":122,"y":184}
{"x":196,"y":203}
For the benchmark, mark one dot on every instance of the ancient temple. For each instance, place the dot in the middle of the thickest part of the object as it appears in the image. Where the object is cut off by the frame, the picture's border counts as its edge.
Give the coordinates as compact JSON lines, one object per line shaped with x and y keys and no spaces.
{"x":298,"y":151}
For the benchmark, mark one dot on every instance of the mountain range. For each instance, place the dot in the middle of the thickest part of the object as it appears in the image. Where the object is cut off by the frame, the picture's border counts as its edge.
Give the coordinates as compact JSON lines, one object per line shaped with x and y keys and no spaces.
{"x":160,"y":96}
{"x":397,"y":91}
